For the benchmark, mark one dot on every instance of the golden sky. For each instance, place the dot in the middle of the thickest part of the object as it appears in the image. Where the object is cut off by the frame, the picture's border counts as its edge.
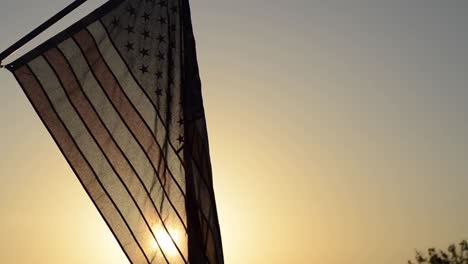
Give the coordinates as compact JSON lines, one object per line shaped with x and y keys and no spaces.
{"x":337,"y":133}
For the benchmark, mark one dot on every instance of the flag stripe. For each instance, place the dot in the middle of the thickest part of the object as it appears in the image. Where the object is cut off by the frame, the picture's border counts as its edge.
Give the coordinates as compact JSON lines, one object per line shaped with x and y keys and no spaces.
{"x":110,"y":53}
{"x":199,"y":147}
{"x":200,"y":156}
{"x":80,"y":165}
{"x":130,"y":87}
{"x":87,"y":142}
{"x":199,"y":150}
{"x":136,"y":94}
{"x":126,"y":80}
{"x":117,"y":95}
{"x":111,"y":120}
{"x":205,"y":195}
{"x":194,"y":107}
{"x":111,"y":149}
{"x":125,"y":109}
{"x":95,"y":27}
{"x":80,"y":67}
{"x":109,"y":115}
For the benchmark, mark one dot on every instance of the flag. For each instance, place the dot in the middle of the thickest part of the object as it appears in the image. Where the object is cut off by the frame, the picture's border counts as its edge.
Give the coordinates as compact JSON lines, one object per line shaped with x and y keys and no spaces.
{"x":120,"y":93}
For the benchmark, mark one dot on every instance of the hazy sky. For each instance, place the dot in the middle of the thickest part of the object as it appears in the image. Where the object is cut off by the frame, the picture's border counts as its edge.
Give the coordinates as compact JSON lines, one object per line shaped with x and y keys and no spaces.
{"x":338,"y":134}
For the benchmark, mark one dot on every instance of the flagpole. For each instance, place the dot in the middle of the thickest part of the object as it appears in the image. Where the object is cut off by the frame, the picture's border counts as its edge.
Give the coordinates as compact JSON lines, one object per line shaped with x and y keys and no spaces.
{"x":41,"y":28}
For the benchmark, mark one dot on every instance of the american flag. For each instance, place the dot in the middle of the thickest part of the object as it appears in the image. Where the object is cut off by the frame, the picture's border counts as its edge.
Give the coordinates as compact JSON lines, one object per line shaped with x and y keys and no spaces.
{"x":119,"y":91}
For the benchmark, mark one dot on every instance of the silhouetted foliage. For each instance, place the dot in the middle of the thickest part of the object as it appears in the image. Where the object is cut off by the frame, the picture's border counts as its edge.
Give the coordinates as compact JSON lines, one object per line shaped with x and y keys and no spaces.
{"x":453,"y":255}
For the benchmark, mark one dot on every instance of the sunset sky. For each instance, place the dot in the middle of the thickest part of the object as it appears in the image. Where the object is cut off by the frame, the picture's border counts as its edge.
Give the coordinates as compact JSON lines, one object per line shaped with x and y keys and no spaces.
{"x":338,"y":134}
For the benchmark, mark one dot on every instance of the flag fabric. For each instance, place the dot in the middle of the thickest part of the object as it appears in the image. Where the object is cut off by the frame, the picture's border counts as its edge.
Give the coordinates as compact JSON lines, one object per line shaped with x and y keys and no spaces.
{"x":120,"y":93}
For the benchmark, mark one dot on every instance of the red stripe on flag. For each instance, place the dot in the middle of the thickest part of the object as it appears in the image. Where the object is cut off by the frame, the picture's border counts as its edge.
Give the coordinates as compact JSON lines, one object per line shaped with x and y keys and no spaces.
{"x":126,"y":110}
{"x":80,"y":166}
{"x":104,"y":139}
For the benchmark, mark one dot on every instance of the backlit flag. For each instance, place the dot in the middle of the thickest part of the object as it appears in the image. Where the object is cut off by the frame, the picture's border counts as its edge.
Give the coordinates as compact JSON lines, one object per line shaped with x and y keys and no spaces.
{"x":120,"y":93}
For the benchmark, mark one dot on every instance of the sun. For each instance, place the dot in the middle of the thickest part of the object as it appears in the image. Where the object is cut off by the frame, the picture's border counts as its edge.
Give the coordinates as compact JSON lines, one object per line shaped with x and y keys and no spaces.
{"x":166,"y":240}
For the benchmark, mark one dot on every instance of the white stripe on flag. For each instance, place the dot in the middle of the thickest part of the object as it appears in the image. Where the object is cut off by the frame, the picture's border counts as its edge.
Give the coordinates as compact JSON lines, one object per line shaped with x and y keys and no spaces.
{"x":126,"y":141}
{"x":137,"y":96}
{"x":80,"y":166}
{"x":107,"y":112}
{"x":93,"y":154}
